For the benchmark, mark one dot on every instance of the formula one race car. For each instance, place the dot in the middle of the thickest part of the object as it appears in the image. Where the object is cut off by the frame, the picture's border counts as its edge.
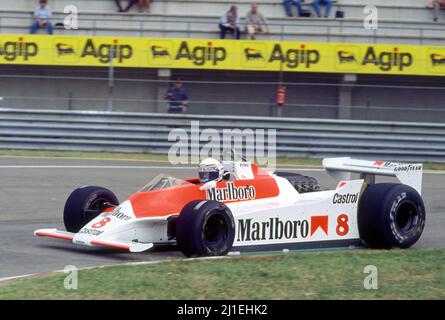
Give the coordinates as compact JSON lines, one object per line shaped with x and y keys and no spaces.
{"x":252,"y":209}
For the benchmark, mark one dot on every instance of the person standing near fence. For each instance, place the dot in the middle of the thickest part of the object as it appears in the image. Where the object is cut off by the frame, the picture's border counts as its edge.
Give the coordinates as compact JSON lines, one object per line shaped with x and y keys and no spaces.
{"x":41,"y":15}
{"x":177,"y":97}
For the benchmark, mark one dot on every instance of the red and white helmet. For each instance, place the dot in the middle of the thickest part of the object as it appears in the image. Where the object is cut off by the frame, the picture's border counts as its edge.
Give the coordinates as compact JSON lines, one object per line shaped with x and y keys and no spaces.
{"x":210,"y":169}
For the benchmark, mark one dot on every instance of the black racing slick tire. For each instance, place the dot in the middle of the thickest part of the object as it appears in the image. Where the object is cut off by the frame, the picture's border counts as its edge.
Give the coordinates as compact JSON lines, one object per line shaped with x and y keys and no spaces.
{"x":390,"y":215}
{"x":205,"y":228}
{"x":84,"y":204}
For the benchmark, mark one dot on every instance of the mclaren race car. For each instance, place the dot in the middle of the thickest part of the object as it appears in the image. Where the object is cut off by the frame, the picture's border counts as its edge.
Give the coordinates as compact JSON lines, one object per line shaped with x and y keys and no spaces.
{"x":253,"y":210}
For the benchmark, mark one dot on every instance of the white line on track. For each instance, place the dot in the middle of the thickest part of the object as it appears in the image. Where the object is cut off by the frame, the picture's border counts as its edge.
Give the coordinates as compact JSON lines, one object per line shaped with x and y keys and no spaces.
{"x":137,"y":263}
{"x":18,"y":277}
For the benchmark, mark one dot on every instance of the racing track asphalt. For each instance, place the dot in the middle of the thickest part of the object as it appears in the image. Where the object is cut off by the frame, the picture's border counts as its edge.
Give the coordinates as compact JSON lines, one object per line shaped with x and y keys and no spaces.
{"x":33,"y":192}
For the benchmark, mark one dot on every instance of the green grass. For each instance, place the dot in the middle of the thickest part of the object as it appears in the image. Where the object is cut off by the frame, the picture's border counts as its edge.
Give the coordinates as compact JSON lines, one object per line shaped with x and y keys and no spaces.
{"x":281,"y":161}
{"x":402,"y":274}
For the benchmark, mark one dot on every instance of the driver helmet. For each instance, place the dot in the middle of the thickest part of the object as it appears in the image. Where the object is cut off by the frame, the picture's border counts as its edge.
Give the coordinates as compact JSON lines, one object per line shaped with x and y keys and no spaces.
{"x":210,"y":169}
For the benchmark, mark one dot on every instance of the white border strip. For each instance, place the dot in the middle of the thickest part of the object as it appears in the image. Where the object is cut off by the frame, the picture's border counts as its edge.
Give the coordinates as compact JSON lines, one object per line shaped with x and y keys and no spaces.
{"x":138,"y":263}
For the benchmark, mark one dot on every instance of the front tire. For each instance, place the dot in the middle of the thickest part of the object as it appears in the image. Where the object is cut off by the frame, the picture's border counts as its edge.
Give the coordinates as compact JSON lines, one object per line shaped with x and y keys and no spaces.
{"x":84,"y":204}
{"x":391,"y":215}
{"x":205,"y":228}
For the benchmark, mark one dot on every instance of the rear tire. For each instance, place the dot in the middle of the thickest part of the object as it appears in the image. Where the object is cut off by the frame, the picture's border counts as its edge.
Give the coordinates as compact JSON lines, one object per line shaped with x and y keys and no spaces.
{"x":390,"y":215}
{"x":84,"y":204}
{"x":205,"y":228}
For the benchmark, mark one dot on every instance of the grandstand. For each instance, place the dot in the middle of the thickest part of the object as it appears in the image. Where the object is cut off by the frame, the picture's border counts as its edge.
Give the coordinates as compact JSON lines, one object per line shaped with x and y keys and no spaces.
{"x":400,"y":21}
{"x":318,"y":95}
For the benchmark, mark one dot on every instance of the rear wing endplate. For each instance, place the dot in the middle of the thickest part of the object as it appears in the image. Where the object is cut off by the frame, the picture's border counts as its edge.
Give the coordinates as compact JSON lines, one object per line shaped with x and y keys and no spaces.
{"x":407,"y":173}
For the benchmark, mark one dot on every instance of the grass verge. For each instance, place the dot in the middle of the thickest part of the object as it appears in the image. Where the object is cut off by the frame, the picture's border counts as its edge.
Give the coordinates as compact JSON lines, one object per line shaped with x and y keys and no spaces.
{"x":402,"y":274}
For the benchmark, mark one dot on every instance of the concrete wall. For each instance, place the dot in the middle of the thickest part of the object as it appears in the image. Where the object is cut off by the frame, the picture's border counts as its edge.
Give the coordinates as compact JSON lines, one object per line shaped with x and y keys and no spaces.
{"x":211,"y":92}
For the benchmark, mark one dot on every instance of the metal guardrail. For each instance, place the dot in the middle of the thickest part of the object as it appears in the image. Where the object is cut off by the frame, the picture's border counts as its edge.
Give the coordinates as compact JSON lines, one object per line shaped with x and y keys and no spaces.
{"x":148,"y":132}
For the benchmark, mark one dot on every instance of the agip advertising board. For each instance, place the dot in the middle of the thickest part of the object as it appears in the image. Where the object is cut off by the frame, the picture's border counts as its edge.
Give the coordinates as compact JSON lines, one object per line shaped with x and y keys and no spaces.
{"x":222,"y":54}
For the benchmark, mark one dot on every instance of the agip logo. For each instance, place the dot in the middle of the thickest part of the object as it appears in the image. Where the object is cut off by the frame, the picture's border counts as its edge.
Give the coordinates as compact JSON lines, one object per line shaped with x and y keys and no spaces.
{"x":436,"y":60}
{"x":254,"y":55}
{"x":66,"y":50}
{"x":160,"y":52}
{"x":18,"y":50}
{"x":184,"y":53}
{"x":388,"y":60}
{"x":106,"y":52}
{"x":201,"y":55}
{"x":347,"y":58}
{"x":299,"y":57}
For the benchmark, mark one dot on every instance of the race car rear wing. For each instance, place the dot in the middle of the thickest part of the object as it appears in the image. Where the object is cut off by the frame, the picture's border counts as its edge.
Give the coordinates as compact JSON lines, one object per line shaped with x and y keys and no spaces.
{"x":407,"y":173}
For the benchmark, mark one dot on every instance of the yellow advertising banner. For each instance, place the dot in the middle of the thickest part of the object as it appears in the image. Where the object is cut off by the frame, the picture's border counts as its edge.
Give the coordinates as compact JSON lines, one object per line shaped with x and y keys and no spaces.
{"x":222,"y":54}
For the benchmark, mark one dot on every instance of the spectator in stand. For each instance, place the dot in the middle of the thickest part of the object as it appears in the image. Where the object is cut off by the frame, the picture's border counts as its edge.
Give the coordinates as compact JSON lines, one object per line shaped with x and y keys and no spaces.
{"x":316,"y":4}
{"x":288,"y":7}
{"x":41,"y":15}
{"x":230,"y":22}
{"x":255,"y":20}
{"x":437,"y":5}
{"x":141,"y":3}
{"x":177,"y":97}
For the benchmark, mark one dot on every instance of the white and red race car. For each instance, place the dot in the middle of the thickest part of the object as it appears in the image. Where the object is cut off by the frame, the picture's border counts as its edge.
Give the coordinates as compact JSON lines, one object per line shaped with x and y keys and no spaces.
{"x":253,"y":209}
